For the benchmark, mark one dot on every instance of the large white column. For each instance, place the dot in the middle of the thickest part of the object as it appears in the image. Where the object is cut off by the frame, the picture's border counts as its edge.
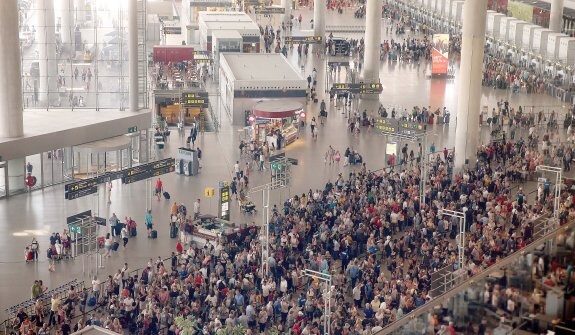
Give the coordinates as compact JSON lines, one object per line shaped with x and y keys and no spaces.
{"x":133,"y":53}
{"x":319,"y":11}
{"x":370,"y":102}
{"x":11,"y":117}
{"x":11,"y":120}
{"x":67,"y":30}
{"x":372,"y":40}
{"x":46,"y":42}
{"x":469,"y":81}
{"x":286,"y":5}
{"x":556,"y":16}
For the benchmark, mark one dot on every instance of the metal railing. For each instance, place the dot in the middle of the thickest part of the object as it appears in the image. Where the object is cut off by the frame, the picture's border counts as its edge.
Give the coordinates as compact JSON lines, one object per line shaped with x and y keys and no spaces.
{"x":465,"y":281}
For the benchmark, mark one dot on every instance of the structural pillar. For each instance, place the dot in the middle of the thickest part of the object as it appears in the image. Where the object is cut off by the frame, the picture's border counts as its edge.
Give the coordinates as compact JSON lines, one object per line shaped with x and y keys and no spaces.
{"x":372,"y":40}
{"x":473,"y":38}
{"x":79,"y":12}
{"x":319,"y":12}
{"x":286,"y":5}
{"x":370,"y":102}
{"x":67,"y":28}
{"x":46,"y":42}
{"x":133,"y":53}
{"x":11,"y":117}
{"x":556,"y":16}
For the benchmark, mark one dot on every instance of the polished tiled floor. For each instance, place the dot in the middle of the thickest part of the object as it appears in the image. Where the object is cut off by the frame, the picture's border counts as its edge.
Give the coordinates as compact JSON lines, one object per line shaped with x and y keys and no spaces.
{"x":42,"y":212}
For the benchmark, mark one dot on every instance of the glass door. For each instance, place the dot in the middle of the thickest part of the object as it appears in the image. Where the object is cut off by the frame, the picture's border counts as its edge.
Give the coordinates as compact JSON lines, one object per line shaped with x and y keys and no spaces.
{"x":3,"y":179}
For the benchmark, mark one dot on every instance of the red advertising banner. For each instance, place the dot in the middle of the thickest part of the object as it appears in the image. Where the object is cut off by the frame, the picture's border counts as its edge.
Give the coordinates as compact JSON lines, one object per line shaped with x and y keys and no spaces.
{"x":440,"y":54}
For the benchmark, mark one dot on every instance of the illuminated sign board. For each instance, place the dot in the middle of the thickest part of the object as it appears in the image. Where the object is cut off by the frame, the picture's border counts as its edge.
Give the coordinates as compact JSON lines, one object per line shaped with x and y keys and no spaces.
{"x":412,"y":128}
{"x":149,"y":170}
{"x":386,"y":125}
{"x":303,"y":40}
{"x":393,"y":126}
{"x":359,"y":88}
{"x":270,"y":10}
{"x":82,"y":188}
{"x":224,"y":208}
{"x":172,"y":30}
{"x":195,"y":99}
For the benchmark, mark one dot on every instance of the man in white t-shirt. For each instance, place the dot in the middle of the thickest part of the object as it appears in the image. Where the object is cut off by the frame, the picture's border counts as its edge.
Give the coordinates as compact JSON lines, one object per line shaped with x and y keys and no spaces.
{"x":96,"y":287}
{"x":237,"y":170}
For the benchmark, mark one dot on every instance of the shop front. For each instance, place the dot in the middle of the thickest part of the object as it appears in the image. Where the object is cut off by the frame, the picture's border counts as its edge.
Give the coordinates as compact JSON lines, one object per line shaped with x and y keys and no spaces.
{"x":276,"y":122}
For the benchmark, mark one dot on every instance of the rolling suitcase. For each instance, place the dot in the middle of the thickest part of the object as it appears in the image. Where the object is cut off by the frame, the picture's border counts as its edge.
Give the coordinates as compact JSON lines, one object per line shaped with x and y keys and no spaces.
{"x":115,"y":246}
{"x":133,"y":231}
{"x":173,"y":231}
{"x":154,"y":234}
{"x":166,"y":195}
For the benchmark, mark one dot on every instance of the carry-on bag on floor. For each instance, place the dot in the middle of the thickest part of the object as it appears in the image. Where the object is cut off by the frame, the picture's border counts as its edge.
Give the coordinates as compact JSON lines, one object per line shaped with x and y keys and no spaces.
{"x":167,"y":195}
{"x":133,"y":231}
{"x":173,"y":231}
{"x":154,"y":234}
{"x":115,"y":246}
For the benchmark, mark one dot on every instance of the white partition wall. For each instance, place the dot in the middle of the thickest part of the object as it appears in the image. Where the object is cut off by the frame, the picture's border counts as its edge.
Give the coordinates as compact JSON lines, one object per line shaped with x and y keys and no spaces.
{"x":527,"y":38}
{"x":540,"y":40}
{"x":493,"y":23}
{"x":504,"y":27}
{"x":553,"y":42}
{"x":515,"y":34}
{"x":567,"y":50}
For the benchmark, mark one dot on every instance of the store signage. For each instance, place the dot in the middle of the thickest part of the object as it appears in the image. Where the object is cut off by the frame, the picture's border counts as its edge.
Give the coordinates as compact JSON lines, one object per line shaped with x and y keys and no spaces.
{"x":303,"y":39}
{"x":172,"y":30}
{"x":270,"y":10}
{"x":149,"y":170}
{"x":359,"y":88}
{"x":201,"y":52}
{"x":132,"y":130}
{"x":224,"y":207}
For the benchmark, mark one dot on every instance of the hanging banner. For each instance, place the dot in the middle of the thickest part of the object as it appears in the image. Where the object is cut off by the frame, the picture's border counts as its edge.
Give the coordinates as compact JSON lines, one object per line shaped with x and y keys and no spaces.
{"x":440,"y":54}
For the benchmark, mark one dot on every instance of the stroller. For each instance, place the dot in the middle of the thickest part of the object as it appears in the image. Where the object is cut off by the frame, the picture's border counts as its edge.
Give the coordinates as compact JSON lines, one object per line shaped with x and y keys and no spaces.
{"x":246,"y":205}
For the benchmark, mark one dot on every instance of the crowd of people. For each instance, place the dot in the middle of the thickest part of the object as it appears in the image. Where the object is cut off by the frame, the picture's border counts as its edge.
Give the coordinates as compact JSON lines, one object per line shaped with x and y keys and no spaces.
{"x":369,"y":230}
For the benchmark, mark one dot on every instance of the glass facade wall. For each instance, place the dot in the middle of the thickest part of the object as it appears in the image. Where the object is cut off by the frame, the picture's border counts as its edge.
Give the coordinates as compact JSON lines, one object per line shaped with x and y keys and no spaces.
{"x":75,"y":53}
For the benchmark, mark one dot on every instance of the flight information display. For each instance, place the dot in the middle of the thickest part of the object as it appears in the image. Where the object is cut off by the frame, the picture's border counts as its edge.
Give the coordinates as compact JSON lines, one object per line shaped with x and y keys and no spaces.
{"x":359,"y":88}
{"x":386,"y":125}
{"x":303,"y":40}
{"x":149,"y":170}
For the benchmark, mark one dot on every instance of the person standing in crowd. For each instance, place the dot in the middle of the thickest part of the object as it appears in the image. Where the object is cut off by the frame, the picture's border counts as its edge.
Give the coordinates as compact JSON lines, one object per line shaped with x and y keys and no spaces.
{"x":114,"y":222}
{"x":148,"y":222}
{"x":197,"y":209}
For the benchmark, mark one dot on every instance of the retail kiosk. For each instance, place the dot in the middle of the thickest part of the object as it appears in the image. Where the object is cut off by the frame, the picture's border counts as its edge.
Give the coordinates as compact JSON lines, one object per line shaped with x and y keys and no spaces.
{"x":271,"y":118}
{"x":247,"y":79}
